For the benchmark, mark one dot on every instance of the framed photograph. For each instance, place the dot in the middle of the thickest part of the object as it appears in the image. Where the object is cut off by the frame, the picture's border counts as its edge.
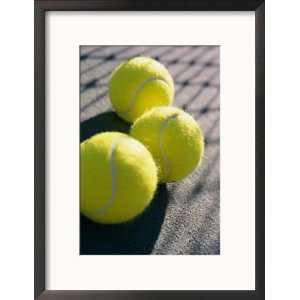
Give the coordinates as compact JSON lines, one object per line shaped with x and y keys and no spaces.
{"x":149,"y":150}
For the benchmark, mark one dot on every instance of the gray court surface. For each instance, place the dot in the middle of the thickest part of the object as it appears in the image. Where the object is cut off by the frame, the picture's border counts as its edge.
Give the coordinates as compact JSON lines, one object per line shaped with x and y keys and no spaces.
{"x":184,"y":217}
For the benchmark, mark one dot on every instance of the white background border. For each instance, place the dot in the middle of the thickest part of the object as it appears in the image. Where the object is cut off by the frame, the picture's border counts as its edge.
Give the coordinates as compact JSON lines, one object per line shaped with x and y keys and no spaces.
{"x":235,"y":267}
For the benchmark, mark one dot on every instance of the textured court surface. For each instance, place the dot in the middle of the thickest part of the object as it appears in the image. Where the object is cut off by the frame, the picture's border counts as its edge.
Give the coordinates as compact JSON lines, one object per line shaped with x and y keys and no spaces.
{"x":184,"y":217}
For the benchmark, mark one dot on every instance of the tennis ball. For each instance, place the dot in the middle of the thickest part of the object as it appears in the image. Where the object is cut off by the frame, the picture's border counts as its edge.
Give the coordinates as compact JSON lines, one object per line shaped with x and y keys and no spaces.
{"x":138,"y":85}
{"x":174,"y":139}
{"x":118,"y":178}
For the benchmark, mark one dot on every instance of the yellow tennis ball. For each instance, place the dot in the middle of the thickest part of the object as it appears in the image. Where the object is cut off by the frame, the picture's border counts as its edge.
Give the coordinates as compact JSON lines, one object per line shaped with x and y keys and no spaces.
{"x":118,"y":178}
{"x":174,"y":139}
{"x":138,"y":85}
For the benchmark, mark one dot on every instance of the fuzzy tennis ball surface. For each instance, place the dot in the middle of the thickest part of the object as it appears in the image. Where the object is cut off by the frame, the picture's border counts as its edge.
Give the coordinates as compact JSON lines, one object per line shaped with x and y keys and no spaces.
{"x":174,"y":139}
{"x":138,"y":85}
{"x":118,"y":178}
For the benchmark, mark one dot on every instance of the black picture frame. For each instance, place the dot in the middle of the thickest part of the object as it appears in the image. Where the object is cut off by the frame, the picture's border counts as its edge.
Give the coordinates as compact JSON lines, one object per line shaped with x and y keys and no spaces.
{"x":41,"y":7}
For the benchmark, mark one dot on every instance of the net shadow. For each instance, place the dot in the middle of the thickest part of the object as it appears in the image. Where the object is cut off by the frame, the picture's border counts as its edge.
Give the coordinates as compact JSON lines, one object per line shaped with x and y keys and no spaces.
{"x":195,"y":70}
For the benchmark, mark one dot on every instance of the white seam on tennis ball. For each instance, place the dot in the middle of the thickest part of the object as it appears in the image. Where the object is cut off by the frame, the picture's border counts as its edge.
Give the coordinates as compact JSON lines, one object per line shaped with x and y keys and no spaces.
{"x":138,"y":90}
{"x":113,"y":166}
{"x":166,"y":163}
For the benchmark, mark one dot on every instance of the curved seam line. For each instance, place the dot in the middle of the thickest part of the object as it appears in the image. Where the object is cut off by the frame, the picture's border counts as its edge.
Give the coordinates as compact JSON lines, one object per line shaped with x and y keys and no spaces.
{"x":166,"y":162}
{"x":112,"y":197}
{"x":138,"y":90}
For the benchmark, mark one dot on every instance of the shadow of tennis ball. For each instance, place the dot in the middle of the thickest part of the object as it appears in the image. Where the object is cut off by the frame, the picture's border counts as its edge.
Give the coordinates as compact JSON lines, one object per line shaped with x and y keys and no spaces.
{"x":103,"y":122}
{"x":135,"y":237}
